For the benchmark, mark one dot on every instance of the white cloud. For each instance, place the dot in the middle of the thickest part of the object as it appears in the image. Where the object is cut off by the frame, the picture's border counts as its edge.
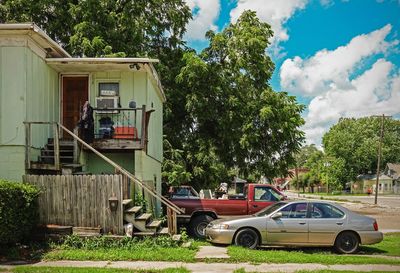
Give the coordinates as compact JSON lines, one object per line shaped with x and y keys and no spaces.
{"x":331,"y":69}
{"x":274,"y":12}
{"x":205,"y":13}
{"x":327,"y":78}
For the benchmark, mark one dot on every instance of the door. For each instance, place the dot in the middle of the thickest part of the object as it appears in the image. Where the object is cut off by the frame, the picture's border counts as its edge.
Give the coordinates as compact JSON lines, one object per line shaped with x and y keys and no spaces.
{"x":325,"y":223}
{"x":291,"y":228}
{"x":74,"y":96}
{"x":263,"y":196}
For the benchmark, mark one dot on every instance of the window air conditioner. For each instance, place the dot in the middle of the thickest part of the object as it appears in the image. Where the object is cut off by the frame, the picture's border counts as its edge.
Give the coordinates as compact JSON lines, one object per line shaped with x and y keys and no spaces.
{"x":104,"y":103}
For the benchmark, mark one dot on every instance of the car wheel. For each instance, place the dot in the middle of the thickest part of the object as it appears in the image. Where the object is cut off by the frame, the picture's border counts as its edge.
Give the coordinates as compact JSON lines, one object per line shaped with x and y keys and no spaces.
{"x":347,"y":242}
{"x":247,"y":238}
{"x":197,"y":226}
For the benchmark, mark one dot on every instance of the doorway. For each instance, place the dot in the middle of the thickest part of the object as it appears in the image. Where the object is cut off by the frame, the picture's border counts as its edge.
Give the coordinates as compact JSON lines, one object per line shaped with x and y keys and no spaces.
{"x":74,"y":95}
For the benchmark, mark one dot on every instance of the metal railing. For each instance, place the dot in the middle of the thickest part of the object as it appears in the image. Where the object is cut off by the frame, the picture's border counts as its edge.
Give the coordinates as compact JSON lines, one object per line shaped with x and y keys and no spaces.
{"x":120,"y":123}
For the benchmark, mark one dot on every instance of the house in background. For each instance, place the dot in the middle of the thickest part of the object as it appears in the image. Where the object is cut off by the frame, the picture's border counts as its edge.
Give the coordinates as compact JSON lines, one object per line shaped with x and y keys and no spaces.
{"x":367,"y":183}
{"x":393,"y":170}
{"x":42,"y":92}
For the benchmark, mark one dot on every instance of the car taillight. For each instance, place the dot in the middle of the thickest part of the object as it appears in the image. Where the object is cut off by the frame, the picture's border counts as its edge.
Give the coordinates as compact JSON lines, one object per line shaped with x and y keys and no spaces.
{"x":376,"y":226}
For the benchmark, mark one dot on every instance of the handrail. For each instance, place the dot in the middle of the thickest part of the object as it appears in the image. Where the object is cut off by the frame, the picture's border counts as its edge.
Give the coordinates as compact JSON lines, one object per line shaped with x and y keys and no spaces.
{"x":161,"y":198}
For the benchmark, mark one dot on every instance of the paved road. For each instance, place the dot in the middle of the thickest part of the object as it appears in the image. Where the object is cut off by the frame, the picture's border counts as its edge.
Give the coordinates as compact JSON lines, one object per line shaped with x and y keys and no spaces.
{"x":392,"y":201}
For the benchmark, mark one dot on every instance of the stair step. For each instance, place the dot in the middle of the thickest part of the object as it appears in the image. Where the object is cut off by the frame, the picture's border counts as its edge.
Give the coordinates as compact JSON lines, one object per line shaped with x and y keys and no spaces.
{"x":143,"y":217}
{"x":133,"y":209}
{"x":66,"y":144}
{"x":126,"y":202}
{"x":61,"y":156}
{"x":164,"y":231}
{"x":61,"y":151}
{"x":154,"y":224}
{"x":144,"y":233}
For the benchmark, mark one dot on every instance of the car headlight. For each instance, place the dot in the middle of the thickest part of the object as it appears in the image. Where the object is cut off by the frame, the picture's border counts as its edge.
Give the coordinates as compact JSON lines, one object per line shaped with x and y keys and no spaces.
{"x":220,"y":226}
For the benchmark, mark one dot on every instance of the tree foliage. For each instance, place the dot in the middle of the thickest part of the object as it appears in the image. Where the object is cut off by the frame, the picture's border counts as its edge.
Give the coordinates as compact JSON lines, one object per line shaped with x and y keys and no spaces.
{"x":232,"y":116}
{"x":105,"y":27}
{"x":221,"y":115}
{"x":353,"y":143}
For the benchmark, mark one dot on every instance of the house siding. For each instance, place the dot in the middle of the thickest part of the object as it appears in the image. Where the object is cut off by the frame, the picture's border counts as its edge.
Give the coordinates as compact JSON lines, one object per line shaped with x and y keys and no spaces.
{"x":28,"y":92}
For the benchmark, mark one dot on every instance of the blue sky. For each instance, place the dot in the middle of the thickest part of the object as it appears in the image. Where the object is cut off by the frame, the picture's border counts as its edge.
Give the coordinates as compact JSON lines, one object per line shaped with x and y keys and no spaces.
{"x":340,"y":58}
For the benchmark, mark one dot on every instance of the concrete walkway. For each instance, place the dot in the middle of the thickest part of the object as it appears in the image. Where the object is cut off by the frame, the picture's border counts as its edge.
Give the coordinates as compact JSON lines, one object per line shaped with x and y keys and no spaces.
{"x":219,"y":267}
{"x":212,"y":252}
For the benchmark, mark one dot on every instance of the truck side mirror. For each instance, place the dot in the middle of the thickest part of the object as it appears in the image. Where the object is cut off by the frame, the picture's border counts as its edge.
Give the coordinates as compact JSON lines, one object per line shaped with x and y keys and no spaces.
{"x":277,"y":216}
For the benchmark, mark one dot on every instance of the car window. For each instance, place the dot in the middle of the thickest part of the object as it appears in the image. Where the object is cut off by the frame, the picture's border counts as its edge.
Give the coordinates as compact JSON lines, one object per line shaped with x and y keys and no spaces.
{"x":268,"y":210}
{"x":297,"y":210}
{"x":265,"y":194}
{"x":322,"y":210}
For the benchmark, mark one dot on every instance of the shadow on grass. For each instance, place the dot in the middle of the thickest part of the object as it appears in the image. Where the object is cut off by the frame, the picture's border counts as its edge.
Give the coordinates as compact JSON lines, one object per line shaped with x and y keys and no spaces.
{"x":21,"y":254}
{"x":364,"y":250}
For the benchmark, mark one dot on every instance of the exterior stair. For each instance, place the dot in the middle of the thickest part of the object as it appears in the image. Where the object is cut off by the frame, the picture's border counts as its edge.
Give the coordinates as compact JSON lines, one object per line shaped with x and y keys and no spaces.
{"x":143,"y":223}
{"x":46,"y":158}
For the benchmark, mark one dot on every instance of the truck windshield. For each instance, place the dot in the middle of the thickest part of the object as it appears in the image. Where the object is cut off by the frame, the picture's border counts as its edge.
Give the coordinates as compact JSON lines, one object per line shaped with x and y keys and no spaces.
{"x":270,"y":209}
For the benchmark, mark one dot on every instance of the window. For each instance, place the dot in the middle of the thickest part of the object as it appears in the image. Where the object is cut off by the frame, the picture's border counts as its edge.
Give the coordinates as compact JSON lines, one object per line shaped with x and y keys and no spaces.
{"x":265,"y":194}
{"x":109,"y":89}
{"x":322,"y":210}
{"x":297,"y":210}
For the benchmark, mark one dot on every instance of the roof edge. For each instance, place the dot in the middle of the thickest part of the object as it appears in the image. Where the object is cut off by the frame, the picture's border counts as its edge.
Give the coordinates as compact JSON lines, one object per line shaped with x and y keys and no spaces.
{"x":36,"y":29}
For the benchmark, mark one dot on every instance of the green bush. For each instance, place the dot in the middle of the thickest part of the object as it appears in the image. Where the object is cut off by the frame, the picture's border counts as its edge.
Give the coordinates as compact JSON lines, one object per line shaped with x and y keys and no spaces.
{"x":18,"y":211}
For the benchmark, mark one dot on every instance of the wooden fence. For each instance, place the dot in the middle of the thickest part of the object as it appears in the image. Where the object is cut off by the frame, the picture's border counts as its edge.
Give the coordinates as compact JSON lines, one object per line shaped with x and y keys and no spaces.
{"x":80,"y":200}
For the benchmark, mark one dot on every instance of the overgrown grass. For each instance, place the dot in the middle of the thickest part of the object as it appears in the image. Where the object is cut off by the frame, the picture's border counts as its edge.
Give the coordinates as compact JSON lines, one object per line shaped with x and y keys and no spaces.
{"x":242,"y":270}
{"x":128,"y":249}
{"x":321,"y":256}
{"x":390,"y":246}
{"x":37,"y":269}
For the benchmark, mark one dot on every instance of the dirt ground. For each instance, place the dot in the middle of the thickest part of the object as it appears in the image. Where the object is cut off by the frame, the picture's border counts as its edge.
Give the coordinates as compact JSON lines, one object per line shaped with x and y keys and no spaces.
{"x":387,"y":217}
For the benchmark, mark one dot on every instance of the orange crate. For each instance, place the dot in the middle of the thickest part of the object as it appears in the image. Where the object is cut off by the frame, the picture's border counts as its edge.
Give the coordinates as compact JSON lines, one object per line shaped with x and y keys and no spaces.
{"x":124,"y":132}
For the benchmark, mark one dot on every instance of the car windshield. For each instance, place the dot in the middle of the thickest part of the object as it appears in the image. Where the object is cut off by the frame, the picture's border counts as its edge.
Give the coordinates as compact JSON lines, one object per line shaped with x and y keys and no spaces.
{"x":270,"y":209}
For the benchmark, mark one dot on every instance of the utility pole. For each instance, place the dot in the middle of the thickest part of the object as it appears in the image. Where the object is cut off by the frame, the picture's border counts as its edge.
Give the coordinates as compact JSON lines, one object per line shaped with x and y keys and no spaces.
{"x":379,"y":155}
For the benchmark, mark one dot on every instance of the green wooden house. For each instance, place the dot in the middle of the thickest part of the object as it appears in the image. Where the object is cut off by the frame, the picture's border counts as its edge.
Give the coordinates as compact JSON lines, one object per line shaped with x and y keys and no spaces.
{"x":42,"y":92}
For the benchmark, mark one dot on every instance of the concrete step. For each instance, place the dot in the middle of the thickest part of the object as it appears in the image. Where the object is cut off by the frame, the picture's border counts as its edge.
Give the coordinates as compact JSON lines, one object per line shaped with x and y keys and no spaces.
{"x":144,"y":233}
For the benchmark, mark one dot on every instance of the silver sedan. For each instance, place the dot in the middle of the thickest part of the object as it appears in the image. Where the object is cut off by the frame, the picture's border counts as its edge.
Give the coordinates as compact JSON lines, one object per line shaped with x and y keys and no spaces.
{"x":298,"y":223}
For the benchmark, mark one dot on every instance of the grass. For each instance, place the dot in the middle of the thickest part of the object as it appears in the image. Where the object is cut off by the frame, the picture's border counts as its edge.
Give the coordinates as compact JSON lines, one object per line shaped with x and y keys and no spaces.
{"x":144,"y":254}
{"x":242,"y":270}
{"x":321,"y":256}
{"x":37,"y":269}
{"x":390,"y":246}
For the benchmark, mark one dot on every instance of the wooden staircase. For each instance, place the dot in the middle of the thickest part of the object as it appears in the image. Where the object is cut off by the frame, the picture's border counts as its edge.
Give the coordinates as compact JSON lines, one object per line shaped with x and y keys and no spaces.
{"x":46,"y":159}
{"x":143,"y":223}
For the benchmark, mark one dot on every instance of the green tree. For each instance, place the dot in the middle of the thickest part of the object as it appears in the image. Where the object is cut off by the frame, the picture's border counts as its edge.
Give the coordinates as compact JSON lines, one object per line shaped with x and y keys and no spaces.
{"x":105,"y":27}
{"x":234,"y":119}
{"x":353,"y":143}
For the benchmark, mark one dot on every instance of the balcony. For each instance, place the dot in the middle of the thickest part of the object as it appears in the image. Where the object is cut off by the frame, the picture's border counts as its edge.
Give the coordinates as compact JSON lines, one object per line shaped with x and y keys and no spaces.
{"x":117,"y":129}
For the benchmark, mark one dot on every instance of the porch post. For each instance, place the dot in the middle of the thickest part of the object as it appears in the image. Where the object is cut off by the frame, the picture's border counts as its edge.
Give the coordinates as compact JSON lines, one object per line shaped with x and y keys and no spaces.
{"x":56,"y":147}
{"x":27,"y":145}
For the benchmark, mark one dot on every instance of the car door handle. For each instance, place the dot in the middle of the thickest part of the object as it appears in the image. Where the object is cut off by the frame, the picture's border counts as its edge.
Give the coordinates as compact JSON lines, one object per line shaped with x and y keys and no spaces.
{"x":302,"y":223}
{"x":339,"y":223}
{"x":255,"y":206}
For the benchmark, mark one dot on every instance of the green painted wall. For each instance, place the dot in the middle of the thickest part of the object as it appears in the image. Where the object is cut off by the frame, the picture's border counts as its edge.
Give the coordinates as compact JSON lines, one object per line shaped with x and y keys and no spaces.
{"x":28,"y":92}
{"x":96,"y":165}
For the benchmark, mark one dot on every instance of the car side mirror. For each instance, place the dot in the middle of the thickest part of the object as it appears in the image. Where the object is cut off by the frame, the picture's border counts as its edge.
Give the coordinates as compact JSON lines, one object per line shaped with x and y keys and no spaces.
{"x":277,"y":215}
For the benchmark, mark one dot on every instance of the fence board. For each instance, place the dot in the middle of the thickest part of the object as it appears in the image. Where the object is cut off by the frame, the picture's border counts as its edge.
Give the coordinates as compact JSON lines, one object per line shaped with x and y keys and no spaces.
{"x":80,"y":200}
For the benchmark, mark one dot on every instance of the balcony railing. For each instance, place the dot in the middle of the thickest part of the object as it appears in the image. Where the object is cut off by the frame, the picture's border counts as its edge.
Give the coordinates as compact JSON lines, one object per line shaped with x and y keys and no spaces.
{"x":120,"y":128}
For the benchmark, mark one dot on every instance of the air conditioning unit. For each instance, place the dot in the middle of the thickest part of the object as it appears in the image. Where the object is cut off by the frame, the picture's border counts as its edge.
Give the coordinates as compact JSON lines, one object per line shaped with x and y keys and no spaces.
{"x":104,"y":103}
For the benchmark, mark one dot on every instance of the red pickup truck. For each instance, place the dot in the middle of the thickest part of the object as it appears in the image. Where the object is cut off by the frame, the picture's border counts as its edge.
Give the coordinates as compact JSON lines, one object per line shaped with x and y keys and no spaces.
{"x":199,"y":212}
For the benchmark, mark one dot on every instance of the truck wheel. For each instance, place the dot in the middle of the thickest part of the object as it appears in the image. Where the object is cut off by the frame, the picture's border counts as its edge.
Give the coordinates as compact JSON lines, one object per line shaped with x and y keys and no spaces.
{"x":247,"y":238}
{"x":347,"y":242}
{"x":198,"y":225}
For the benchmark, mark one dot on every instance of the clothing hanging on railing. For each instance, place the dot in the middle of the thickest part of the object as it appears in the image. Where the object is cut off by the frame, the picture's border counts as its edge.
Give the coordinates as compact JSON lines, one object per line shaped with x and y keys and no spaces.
{"x":86,"y":123}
